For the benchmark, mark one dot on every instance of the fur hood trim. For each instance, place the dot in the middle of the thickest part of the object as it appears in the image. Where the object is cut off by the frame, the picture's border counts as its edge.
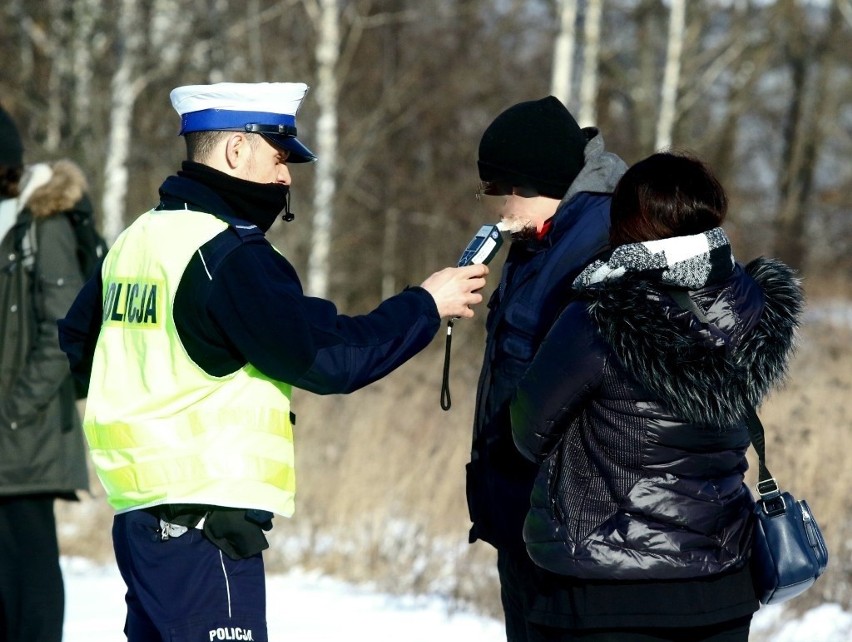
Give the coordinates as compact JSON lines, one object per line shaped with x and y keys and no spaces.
{"x":62,"y":186}
{"x":702,"y":373}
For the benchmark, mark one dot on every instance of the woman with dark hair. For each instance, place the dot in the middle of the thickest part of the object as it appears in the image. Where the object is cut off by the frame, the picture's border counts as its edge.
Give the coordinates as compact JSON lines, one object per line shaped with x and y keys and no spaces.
{"x":635,"y":407}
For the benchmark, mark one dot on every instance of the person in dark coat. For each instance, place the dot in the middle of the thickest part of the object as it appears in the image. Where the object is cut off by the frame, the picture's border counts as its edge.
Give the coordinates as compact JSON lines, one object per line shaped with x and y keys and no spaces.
{"x":552,"y":183}
{"x":42,"y":451}
{"x":191,"y":339}
{"x":634,"y":412}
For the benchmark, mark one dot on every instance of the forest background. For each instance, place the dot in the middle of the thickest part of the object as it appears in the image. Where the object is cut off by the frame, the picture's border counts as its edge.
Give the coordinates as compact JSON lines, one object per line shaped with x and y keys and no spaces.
{"x":401,"y":92}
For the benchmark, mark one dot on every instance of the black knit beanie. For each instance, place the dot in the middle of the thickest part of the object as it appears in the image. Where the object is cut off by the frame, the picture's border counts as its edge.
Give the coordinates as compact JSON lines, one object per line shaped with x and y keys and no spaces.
{"x":11,"y":149}
{"x":534,"y":144}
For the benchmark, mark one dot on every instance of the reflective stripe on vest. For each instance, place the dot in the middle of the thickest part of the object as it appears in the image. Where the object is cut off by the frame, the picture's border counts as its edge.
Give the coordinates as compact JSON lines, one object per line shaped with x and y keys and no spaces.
{"x":160,"y":429}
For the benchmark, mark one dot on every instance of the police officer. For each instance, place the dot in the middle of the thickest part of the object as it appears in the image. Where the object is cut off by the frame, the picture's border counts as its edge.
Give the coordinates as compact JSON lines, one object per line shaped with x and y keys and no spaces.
{"x":191,"y":340}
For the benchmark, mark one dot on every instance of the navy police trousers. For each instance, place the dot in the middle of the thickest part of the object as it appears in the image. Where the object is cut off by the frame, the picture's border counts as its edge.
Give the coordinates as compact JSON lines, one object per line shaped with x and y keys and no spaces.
{"x":184,"y":589}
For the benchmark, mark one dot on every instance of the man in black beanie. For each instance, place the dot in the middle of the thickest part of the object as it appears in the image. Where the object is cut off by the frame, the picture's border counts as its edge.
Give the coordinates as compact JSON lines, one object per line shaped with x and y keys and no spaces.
{"x":551,"y":182}
{"x":535,"y":144}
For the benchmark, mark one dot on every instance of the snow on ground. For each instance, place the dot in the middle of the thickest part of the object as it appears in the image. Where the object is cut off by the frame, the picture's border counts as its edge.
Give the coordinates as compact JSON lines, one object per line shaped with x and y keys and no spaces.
{"x":826,"y":623}
{"x":309,"y":608}
{"x":301,"y":608}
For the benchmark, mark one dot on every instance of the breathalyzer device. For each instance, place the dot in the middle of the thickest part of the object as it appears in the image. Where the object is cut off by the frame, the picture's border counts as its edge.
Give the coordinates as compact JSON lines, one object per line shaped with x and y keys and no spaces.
{"x":482,"y":248}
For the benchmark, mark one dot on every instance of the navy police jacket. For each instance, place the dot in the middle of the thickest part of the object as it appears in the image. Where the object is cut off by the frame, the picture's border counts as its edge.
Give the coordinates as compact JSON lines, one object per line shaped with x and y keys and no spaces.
{"x":252,"y":309}
{"x":534,"y":288}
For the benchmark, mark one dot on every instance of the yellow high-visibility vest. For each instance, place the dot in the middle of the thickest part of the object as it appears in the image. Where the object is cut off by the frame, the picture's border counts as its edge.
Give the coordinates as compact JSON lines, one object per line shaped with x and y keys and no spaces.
{"x":160,"y":429}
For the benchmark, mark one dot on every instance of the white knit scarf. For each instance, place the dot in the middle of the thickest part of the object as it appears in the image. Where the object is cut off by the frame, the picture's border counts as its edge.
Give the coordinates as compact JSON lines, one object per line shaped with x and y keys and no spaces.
{"x":689,"y":262}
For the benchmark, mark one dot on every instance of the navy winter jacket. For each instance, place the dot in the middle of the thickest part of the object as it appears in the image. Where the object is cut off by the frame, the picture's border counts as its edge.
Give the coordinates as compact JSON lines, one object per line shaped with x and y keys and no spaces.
{"x":252,"y":309}
{"x":533,"y":290}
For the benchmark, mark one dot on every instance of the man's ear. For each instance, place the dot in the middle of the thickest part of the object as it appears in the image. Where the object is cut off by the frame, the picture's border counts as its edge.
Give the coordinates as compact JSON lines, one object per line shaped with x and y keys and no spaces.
{"x":236,"y":149}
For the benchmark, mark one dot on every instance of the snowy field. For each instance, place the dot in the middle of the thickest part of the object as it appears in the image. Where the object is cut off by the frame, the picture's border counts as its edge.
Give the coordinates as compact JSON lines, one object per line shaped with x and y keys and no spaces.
{"x":301,"y":608}
{"x":308,"y":608}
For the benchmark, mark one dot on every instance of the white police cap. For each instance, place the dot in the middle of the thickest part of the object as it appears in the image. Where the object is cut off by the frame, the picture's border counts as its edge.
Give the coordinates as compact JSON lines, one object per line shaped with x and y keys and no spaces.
{"x":266,"y":108}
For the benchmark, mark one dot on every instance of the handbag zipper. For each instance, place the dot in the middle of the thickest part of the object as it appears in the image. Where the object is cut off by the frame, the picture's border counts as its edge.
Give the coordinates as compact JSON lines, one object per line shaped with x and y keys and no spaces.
{"x":809,"y":528}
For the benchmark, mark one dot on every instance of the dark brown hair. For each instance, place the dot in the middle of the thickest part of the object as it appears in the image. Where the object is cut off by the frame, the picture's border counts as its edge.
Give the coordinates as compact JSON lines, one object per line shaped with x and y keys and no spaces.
{"x":667,"y":194}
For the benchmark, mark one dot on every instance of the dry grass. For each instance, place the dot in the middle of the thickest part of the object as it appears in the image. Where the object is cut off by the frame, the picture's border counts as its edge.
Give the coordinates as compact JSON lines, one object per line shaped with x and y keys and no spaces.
{"x":809,"y":440}
{"x":381,"y":476}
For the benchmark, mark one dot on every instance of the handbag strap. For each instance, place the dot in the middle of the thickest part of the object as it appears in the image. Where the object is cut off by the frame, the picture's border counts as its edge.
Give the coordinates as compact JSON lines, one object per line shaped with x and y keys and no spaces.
{"x":767,"y":487}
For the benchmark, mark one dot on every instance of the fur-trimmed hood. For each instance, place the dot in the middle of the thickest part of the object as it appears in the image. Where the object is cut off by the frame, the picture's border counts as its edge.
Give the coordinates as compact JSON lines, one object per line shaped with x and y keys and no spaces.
{"x":707,"y":373}
{"x":50,"y":188}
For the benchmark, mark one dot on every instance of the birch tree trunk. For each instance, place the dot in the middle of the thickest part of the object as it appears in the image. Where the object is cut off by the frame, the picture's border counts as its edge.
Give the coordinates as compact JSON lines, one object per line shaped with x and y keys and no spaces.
{"x":82,"y":63}
{"x":122,"y":97}
{"x":168,"y":35}
{"x":327,"y":54}
{"x":591,"y":53}
{"x":563,"y":52}
{"x":671,"y":75}
{"x":642,"y":87}
{"x":166,"y":32}
{"x":845,"y":9}
{"x":255,"y":46}
{"x":58,"y":76}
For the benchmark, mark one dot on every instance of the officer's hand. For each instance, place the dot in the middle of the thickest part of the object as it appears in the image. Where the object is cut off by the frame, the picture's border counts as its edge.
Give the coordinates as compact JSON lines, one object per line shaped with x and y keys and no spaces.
{"x":456,"y":289}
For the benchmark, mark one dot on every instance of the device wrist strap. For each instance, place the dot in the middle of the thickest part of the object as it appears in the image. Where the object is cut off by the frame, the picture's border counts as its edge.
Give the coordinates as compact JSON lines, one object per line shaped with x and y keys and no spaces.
{"x":446,"y":402}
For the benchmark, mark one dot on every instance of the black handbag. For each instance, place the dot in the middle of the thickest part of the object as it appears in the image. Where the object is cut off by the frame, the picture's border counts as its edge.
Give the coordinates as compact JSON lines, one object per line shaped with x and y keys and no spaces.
{"x":788,"y":550}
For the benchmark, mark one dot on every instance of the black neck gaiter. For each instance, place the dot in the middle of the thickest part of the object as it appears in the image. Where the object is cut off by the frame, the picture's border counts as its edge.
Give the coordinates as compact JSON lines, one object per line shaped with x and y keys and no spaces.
{"x":258,"y":203}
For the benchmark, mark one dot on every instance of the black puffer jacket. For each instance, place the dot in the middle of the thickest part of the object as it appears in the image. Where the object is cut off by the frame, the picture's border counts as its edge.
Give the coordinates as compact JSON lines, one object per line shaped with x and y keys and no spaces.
{"x":635,"y":408}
